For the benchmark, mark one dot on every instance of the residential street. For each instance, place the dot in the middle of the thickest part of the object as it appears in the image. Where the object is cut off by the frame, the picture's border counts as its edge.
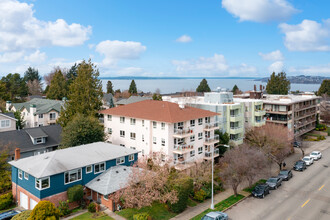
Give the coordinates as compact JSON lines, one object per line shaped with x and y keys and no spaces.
{"x":305,"y":196}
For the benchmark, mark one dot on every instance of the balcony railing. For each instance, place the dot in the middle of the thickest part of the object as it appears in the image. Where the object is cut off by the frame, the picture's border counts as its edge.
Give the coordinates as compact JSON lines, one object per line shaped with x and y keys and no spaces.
{"x":183,"y":131}
{"x":182,"y":147}
{"x":212,"y":139}
{"x":211,"y":125}
{"x":209,"y":154}
{"x":235,"y":116}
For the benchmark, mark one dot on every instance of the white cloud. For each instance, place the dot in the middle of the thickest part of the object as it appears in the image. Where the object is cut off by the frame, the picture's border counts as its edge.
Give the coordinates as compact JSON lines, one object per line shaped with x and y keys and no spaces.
{"x":36,"y":57}
{"x":243,"y":69}
{"x":273,"y":56}
{"x":276,"y":67}
{"x":117,"y":50}
{"x":307,"y":36}
{"x":259,"y":10}
{"x":10,"y":57}
{"x":20,"y":30}
{"x":184,"y":39}
{"x":312,"y":70}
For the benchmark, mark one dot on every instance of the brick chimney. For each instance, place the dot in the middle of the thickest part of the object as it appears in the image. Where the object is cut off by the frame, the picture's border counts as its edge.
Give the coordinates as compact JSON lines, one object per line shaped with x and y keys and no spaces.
{"x":17,"y":154}
{"x":255,"y":87}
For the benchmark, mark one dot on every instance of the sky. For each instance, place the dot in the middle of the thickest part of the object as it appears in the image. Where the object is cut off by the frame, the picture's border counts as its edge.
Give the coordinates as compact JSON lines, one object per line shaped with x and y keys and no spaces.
{"x":204,"y":38}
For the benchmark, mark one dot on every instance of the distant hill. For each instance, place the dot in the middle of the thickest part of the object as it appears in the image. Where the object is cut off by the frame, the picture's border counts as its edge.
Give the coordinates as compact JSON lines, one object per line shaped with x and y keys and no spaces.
{"x":302,"y":79}
{"x":170,"y":77}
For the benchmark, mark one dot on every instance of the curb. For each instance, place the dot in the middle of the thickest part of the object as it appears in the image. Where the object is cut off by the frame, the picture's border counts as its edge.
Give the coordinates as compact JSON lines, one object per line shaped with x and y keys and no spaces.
{"x":245,"y":197}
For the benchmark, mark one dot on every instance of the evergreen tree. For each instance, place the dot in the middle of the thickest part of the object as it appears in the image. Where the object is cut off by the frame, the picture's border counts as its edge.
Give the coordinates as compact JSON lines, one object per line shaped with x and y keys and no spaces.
{"x":32,"y":74}
{"x":203,"y":87}
{"x":15,"y":86}
{"x":58,"y":86}
{"x":82,"y":130}
{"x":156,"y":96}
{"x":236,"y":90}
{"x":278,"y":84}
{"x":324,"y":88}
{"x":20,"y":123}
{"x":110,"y":87}
{"x":72,"y":74}
{"x":85,"y":94}
{"x":132,"y":88}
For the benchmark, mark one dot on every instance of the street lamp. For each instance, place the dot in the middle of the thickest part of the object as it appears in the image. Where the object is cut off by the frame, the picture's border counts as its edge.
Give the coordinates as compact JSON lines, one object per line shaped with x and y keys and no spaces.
{"x":212,"y":204}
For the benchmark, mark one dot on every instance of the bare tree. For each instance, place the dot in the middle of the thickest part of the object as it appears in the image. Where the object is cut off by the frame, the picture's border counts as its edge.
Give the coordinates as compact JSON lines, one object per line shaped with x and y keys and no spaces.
{"x":325,"y":109}
{"x":201,"y":173}
{"x":34,"y":87}
{"x":48,"y":77}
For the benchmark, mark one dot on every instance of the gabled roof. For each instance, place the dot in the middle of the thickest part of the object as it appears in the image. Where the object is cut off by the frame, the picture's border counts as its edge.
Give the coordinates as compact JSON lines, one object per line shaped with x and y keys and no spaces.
{"x":22,"y":140}
{"x":36,"y":133}
{"x":63,"y":160}
{"x":9,"y":115}
{"x":42,"y":105}
{"x":132,"y":99}
{"x":112,"y":180}
{"x":158,"y":111}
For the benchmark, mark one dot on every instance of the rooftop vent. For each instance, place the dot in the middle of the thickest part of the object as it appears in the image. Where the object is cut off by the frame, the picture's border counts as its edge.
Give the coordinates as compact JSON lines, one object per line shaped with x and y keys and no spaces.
{"x":124,"y":169}
{"x":98,"y":179}
{"x":117,"y":171}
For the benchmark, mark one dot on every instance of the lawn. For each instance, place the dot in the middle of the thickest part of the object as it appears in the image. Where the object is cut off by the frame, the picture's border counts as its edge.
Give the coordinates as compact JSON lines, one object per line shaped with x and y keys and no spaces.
{"x":328,"y":129}
{"x":89,"y":215}
{"x":156,"y":211}
{"x":249,"y":189}
{"x":221,"y":205}
{"x":191,"y":203}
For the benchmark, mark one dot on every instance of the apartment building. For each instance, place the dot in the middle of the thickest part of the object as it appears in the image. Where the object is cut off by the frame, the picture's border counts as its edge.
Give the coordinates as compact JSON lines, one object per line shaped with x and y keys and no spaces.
{"x":182,"y":133}
{"x":254,"y":112}
{"x":37,"y":112}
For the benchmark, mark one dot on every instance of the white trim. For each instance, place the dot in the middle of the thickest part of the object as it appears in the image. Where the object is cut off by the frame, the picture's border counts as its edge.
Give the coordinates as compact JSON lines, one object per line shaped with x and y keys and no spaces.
{"x":69,"y":176}
{"x":5,"y":120}
{"x":36,"y":179}
{"x":91,"y":166}
{"x":18,"y":174}
{"x":101,"y":170}
{"x":25,"y":173}
{"x":120,"y":160}
{"x":8,"y":117}
{"x":129,"y":157}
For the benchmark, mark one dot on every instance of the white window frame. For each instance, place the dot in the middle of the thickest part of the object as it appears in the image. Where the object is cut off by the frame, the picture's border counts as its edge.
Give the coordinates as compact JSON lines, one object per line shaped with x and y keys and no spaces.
{"x":41,"y":142}
{"x":122,"y":133}
{"x":192,"y":153}
{"x":72,"y":172}
{"x":41,"y":116}
{"x":99,"y":164}
{"x":91,"y":167}
{"x":133,"y":121}
{"x":142,"y":123}
{"x":133,"y":135}
{"x":192,"y":138}
{"x":40,"y":183}
{"x":154,"y":140}
{"x":109,"y":117}
{"x":163,"y":141}
{"x":130,"y":157}
{"x":106,"y":197}
{"x":122,"y":120}
{"x":200,"y":150}
{"x":163,"y":126}
{"x":6,"y":124}
{"x":143,"y":138}
{"x":26,"y":176}
{"x":20,"y":174}
{"x":200,"y":136}
{"x":200,"y":121}
{"x":109,"y":130}
{"x":52,"y":118}
{"x":192,"y":123}
{"x":120,"y":160}
{"x":154,"y":124}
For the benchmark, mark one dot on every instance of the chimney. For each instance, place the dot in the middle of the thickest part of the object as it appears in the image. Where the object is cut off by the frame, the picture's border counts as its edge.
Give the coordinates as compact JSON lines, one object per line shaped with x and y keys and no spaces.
{"x":255,"y":87}
{"x":8,"y":104}
{"x":260,"y":88}
{"x":17,"y":154}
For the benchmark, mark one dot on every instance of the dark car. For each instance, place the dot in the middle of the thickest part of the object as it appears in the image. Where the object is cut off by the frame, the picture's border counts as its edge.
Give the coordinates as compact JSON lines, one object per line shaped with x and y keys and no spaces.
{"x":274,"y":182}
{"x":285,"y":174}
{"x":300,"y":165}
{"x":261,"y":190}
{"x":8,"y":215}
{"x":296,"y":144}
{"x":215,"y":216}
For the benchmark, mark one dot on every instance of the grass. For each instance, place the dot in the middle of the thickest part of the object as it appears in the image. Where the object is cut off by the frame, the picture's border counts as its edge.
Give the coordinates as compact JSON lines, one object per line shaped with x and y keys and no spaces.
{"x":156,"y":211}
{"x":191,"y":202}
{"x":250,"y":189}
{"x":10,"y":208}
{"x":328,"y":129}
{"x":221,"y":205}
{"x":88,"y":215}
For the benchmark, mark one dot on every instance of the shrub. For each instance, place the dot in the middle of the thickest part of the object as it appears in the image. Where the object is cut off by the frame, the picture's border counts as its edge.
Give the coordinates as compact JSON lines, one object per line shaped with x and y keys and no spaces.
{"x":44,"y":210}
{"x":75,"y":193}
{"x":6,"y":200}
{"x":23,"y":215}
{"x":141,"y":216}
{"x":91,"y":207}
{"x":63,"y":207}
{"x":200,"y":195}
{"x":184,"y":187}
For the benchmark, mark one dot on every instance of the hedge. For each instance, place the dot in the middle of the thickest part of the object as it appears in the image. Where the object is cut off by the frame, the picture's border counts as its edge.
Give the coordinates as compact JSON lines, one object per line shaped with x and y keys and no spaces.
{"x":44,"y":210}
{"x":75,"y":193}
{"x":23,"y":215}
{"x":92,"y":207}
{"x":6,"y":200}
{"x":141,"y":216}
{"x":184,"y":187}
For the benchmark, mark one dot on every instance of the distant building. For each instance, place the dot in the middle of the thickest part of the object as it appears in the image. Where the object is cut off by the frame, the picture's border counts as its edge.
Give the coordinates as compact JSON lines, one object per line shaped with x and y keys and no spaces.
{"x":37,"y":112}
{"x":254,"y":112}
{"x":132,"y":99}
{"x":108,"y":101}
{"x":7,"y":122}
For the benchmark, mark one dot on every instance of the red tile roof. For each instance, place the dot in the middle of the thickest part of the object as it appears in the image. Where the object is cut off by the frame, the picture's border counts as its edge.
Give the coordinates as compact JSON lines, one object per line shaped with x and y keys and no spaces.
{"x":158,"y":111}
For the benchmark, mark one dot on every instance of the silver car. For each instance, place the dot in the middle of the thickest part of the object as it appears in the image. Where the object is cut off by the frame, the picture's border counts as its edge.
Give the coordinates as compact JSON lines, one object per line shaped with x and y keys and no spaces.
{"x":215,"y":216}
{"x":316,"y":155}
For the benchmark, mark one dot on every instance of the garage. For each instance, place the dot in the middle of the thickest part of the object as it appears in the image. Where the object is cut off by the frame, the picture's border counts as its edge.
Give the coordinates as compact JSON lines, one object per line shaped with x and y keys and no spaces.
{"x":32,"y":204}
{"x":23,"y":200}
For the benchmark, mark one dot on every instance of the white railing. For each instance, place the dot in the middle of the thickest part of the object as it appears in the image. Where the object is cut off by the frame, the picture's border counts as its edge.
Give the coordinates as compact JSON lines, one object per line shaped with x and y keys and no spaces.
{"x":236,"y":128}
{"x":209,"y":154}
{"x":212,"y":139}
{"x":183,"y":131}
{"x":211,"y":125}
{"x":183,"y":146}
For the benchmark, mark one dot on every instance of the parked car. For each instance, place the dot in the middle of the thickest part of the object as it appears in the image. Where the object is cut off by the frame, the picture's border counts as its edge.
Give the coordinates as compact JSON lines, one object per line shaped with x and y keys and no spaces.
{"x":261,"y":190}
{"x":8,"y":215}
{"x":215,"y":216}
{"x":285,"y":174}
{"x":274,"y":182}
{"x":296,"y":144}
{"x":316,"y":155}
{"x":300,"y":165}
{"x":308,"y":160}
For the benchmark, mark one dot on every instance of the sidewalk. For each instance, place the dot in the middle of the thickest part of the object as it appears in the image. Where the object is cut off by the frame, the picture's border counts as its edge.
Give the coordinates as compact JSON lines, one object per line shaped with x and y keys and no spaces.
{"x":113,"y":215}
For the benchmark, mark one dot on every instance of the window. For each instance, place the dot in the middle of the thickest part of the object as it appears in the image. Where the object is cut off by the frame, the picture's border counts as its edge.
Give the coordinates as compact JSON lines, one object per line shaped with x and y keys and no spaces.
{"x":154,"y":140}
{"x":72,"y":176}
{"x":134,"y":148}
{"x":98,"y":168}
{"x":122,"y":119}
{"x":26,"y":176}
{"x":154,"y":124}
{"x":200,"y":136}
{"x":133,"y":135}
{"x":109,"y":130}
{"x":109,"y":117}
{"x":42,"y":183}
{"x":143,"y":138}
{"x":131,"y":157}
{"x":200,"y":121}
{"x":89,"y":169}
{"x":192,"y":123}
{"x":207,"y":119}
{"x":192,"y":138}
{"x":200,"y":150}
{"x":122,"y":133}
{"x":142,"y":123}
{"x":120,"y":160}
{"x":192,"y":153}
{"x":52,"y":116}
{"x":20,"y":174}
{"x":142,"y":152}
{"x":106,"y":197}
{"x":5,"y":123}
{"x":41,"y":115}
{"x":163,"y":126}
{"x":122,"y":145}
{"x":133,"y":120}
{"x":163,"y":142}
{"x":180,"y":125}
{"x":38,"y":140}
{"x":163,"y":157}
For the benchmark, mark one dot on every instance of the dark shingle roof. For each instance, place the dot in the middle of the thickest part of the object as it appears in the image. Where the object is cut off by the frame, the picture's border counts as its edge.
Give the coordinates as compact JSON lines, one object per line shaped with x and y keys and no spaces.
{"x":10,"y":114}
{"x":36,"y":133}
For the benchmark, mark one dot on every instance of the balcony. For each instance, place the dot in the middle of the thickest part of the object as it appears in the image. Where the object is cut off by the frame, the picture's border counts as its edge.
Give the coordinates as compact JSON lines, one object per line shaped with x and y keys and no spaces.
{"x":278,"y":112}
{"x":259,"y":123}
{"x":208,"y":155}
{"x":182,"y":148}
{"x":278,"y":120}
{"x":259,"y":112}
{"x":234,"y":118}
{"x":236,"y":130}
{"x":183,"y":133}
{"x":237,"y":140}
{"x":211,"y":140}
{"x":211,"y":126}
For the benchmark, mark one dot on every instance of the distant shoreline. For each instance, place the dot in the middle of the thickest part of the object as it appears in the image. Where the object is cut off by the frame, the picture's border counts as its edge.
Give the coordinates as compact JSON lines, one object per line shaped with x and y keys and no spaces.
{"x":160,"y":78}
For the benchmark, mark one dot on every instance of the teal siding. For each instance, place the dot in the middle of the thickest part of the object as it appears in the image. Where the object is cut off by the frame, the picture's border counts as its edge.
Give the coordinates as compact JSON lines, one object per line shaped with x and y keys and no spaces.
{"x":29,"y":184}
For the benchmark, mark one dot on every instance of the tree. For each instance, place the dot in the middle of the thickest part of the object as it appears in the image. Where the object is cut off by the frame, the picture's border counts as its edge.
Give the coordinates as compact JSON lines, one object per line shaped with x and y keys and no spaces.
{"x":44,"y":210}
{"x":236,"y":90}
{"x":110,"y":88}
{"x":32,"y":74}
{"x":278,"y":84}
{"x":20,"y":123}
{"x":58,"y":87}
{"x":85,"y":94}
{"x":72,"y":74}
{"x":324,"y":88}
{"x":82,"y":130}
{"x":324,"y":109}
{"x":203,"y":87}
{"x":157,"y":97}
{"x":34,"y":87}
{"x":16,"y":87}
{"x":5,"y":180}
{"x":132,"y":88}
{"x":273,"y":140}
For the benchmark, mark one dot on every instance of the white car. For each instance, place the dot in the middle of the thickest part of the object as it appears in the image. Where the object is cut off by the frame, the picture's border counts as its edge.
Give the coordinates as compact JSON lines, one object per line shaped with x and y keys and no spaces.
{"x":308,"y":160}
{"x":316,"y":155}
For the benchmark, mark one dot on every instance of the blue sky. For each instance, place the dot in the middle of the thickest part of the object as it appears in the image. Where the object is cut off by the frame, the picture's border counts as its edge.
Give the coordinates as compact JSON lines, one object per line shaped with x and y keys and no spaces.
{"x":167,"y":38}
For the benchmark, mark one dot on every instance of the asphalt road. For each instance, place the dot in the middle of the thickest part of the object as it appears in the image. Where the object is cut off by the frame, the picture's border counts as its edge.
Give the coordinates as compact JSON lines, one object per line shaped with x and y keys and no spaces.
{"x":305,"y":196}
